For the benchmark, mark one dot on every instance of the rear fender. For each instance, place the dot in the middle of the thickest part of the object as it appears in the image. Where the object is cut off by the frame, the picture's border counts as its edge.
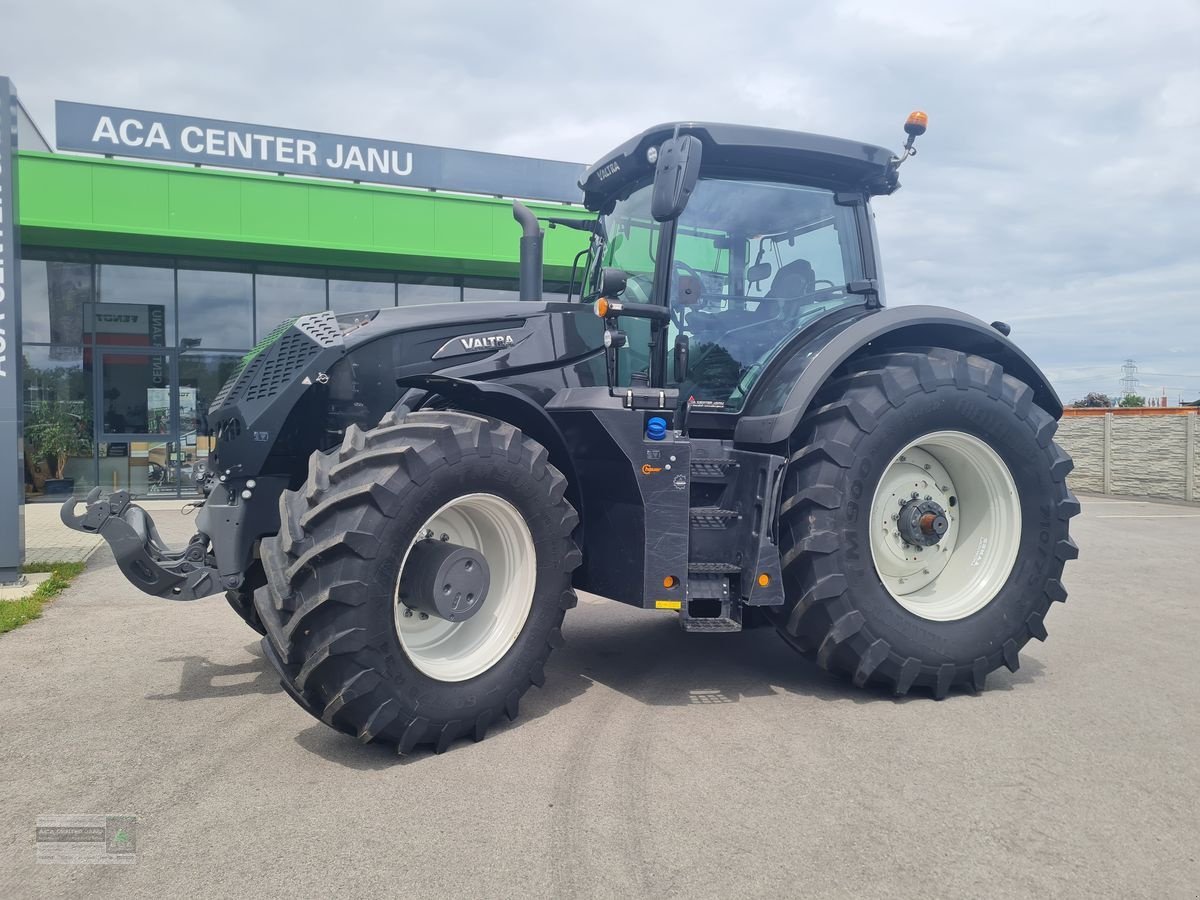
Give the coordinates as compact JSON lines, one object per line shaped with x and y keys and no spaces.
{"x":780,"y":401}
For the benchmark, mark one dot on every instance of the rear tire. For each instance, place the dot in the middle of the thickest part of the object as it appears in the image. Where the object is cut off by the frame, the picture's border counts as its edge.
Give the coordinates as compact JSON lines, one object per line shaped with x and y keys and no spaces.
{"x":918,"y":625}
{"x":330,"y":604}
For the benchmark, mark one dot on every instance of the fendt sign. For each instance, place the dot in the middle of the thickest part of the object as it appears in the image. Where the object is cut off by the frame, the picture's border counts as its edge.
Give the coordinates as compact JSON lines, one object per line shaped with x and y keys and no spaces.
{"x":174,"y":138}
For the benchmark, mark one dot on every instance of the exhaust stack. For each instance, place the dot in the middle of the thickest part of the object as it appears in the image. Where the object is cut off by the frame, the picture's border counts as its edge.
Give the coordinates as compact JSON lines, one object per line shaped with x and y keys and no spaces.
{"x":531,"y":252}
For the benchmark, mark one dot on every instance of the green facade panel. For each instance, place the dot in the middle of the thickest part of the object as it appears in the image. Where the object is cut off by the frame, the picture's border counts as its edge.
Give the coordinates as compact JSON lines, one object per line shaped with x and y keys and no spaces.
{"x":102,"y":204}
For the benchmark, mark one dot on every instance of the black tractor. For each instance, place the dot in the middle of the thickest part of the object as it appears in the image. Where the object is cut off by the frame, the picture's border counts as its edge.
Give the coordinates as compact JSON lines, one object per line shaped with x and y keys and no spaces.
{"x":722,"y":420}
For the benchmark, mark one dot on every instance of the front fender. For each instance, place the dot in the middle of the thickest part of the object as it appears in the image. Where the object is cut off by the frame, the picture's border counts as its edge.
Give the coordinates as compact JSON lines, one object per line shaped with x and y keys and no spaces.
{"x":781,"y":399}
{"x":499,"y":401}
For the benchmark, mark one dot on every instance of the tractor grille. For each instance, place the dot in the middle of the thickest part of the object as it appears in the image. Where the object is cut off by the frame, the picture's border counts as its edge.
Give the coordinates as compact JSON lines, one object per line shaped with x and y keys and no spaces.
{"x":277,"y":369}
{"x":277,"y":358}
{"x":322,"y":328}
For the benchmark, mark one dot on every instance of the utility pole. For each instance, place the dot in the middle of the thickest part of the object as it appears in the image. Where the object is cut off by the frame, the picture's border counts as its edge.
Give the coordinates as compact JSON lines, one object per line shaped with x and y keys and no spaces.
{"x":1129,"y":379}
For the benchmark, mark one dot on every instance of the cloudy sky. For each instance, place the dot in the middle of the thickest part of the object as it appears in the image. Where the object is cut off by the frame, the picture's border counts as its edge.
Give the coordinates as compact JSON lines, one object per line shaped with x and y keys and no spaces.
{"x":1058,"y":187}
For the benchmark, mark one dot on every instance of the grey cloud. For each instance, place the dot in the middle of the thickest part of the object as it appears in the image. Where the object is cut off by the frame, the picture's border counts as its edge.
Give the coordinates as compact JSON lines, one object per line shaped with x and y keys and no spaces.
{"x":1056,"y":188}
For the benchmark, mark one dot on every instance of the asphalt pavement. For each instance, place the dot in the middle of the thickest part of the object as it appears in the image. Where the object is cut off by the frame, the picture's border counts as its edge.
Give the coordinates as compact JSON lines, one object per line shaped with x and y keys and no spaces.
{"x":653,"y":763}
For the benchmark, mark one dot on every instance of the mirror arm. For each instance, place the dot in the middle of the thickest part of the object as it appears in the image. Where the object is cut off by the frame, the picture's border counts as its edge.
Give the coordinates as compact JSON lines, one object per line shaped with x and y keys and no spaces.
{"x":651,"y":311}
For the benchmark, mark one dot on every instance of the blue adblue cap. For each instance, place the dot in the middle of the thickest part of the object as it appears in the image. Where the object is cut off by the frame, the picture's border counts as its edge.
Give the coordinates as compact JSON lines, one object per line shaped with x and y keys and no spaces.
{"x":656,"y":428}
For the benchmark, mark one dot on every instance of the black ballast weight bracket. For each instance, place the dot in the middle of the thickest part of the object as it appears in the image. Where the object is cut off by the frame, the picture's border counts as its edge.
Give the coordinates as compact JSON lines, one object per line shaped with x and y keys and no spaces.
{"x":146,"y":561}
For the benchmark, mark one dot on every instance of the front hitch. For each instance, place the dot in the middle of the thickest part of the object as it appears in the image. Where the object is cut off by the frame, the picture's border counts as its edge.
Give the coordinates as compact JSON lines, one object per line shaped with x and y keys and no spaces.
{"x":151,"y":565}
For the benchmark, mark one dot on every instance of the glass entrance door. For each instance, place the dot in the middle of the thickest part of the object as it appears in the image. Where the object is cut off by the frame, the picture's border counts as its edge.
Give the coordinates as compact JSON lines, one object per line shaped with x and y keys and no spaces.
{"x":137,"y":420}
{"x":201,"y":375}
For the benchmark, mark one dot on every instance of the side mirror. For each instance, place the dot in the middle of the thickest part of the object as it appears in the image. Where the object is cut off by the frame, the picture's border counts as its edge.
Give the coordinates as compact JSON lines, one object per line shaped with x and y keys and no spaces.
{"x":676,"y":176}
{"x":612,"y":282}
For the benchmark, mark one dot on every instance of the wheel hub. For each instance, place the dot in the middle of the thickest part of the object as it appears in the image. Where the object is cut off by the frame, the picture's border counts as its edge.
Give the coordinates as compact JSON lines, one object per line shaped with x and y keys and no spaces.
{"x":444,"y":579}
{"x":449,"y":635}
{"x":945,"y":525}
{"x":922,"y":523}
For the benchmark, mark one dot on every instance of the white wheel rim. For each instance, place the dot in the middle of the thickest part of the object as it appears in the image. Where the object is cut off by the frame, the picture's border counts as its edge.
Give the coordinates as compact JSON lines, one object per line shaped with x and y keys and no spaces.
{"x":457,"y":651}
{"x":965,"y":570}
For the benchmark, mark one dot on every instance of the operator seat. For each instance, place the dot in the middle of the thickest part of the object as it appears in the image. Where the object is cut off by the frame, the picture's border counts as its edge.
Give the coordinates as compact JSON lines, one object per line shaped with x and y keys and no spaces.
{"x":738,"y":345}
{"x":796,"y":279}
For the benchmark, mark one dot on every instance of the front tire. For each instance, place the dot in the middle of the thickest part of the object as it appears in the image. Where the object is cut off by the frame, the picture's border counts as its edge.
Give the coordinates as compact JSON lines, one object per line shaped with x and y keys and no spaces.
{"x":336,"y":630}
{"x":242,"y":599}
{"x":911,"y":436}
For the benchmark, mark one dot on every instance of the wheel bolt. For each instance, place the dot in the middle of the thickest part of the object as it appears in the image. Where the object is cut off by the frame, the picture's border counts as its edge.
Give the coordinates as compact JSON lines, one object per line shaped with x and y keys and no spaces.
{"x":407,"y":613}
{"x":424,"y":616}
{"x":445,"y":537}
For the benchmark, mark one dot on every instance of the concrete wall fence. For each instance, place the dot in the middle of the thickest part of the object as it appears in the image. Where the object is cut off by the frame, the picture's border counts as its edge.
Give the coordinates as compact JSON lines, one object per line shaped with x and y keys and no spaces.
{"x":1132,"y":454}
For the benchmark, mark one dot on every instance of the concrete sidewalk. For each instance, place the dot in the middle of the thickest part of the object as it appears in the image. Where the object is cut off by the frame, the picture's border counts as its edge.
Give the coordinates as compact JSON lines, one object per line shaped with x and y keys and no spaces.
{"x":48,"y":540}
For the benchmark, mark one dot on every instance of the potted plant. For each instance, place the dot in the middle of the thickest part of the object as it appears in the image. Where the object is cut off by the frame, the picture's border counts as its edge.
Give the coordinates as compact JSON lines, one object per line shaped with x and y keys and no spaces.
{"x":52,"y":434}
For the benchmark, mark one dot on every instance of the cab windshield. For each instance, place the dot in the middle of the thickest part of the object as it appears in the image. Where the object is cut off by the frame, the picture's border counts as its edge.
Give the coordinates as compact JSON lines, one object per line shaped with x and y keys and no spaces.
{"x":753,"y":263}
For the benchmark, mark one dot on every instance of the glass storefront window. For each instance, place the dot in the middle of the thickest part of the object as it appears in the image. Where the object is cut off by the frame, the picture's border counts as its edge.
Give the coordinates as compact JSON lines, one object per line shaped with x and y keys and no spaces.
{"x":136,"y":390}
{"x":121,"y":350}
{"x":279,"y":295}
{"x":58,"y":421}
{"x":351,"y":292}
{"x":557,"y":290}
{"x":490,"y":289}
{"x":54,"y":296}
{"x":144,"y":468}
{"x":415,"y":290}
{"x":135,"y":305}
{"x":215,"y":309}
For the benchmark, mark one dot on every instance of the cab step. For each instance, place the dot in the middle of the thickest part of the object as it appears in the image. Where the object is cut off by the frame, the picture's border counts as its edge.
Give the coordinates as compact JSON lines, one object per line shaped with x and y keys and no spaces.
{"x":712,"y":469}
{"x":713,"y":568}
{"x":712,"y":517}
{"x":712,"y":626}
{"x":728,"y":616}
{"x":708,"y":606}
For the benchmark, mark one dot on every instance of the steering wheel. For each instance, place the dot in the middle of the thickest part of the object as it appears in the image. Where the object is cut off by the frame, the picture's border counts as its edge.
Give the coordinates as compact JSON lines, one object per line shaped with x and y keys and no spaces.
{"x":644,"y":284}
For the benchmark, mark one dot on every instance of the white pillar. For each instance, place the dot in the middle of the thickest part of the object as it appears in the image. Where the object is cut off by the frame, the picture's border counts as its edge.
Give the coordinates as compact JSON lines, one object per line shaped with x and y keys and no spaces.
{"x":1106,"y":453}
{"x":1189,"y":459}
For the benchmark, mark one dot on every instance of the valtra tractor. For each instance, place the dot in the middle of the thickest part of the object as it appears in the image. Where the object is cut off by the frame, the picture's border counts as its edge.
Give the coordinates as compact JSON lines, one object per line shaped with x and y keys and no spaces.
{"x":723,"y":420}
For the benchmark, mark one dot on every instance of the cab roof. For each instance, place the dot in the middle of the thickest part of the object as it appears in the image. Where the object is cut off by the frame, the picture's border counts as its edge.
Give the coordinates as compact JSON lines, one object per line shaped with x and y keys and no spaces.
{"x":747,"y":151}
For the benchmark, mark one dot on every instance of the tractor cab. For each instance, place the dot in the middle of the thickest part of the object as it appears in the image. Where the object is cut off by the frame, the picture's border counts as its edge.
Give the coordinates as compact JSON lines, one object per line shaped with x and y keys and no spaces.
{"x":728,"y":240}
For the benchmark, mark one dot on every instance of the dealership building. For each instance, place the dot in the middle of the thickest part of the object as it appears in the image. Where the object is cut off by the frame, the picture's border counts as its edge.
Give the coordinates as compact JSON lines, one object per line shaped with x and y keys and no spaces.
{"x":157,"y":249}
